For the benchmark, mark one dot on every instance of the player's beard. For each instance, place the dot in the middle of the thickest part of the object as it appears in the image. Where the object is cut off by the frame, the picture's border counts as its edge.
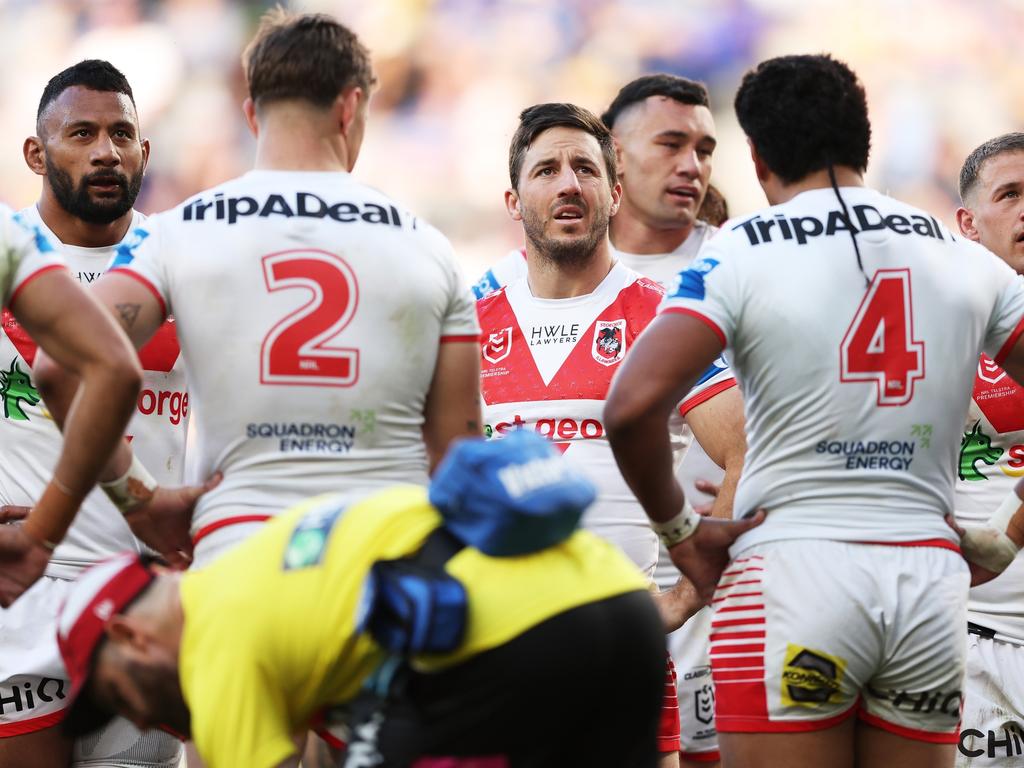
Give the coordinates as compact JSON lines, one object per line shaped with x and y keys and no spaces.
{"x":565,"y":252}
{"x":77,"y":201}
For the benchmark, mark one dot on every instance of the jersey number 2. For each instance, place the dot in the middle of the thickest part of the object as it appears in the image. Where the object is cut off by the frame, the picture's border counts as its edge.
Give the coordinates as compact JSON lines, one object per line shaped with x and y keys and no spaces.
{"x":296,"y":350}
{"x":879,"y":345}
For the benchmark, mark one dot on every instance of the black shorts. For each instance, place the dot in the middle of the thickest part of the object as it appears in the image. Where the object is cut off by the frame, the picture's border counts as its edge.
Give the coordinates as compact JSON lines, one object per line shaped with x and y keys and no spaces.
{"x":583,"y":688}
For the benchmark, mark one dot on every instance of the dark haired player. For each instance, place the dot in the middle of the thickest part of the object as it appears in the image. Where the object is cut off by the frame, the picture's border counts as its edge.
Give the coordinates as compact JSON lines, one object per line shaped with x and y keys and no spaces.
{"x":90,"y":155}
{"x":346,"y":351}
{"x":854,"y":323}
{"x":555,"y":338}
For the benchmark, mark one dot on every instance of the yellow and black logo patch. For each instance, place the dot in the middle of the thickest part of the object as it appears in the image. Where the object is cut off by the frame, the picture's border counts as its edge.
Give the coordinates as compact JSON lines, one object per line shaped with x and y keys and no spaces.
{"x":810,"y":678}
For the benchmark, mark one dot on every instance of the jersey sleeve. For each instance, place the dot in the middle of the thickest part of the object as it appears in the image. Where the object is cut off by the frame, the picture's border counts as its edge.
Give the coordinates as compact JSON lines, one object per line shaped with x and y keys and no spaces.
{"x":27,"y":254}
{"x":717,"y":378}
{"x":459,"y":322}
{"x":141,"y":256}
{"x":708,"y":290}
{"x":1006,"y":323}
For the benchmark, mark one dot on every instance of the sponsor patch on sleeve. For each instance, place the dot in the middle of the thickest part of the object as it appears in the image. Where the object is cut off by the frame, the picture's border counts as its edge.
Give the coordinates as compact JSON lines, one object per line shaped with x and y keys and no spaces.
{"x":308,"y":541}
{"x":690,"y":282}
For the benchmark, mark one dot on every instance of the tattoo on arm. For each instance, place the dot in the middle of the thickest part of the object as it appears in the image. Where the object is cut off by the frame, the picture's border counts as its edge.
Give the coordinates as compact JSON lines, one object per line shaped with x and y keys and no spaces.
{"x":129,"y":313}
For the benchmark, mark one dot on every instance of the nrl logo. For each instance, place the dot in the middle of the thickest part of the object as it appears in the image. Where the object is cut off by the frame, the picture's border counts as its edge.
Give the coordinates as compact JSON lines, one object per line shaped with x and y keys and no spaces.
{"x":609,"y":341}
{"x":989,"y":371}
{"x":498,"y":345}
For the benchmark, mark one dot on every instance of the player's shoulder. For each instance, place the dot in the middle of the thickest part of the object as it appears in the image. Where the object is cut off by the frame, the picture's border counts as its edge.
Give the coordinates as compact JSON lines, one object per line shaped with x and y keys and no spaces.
{"x":639,"y":297}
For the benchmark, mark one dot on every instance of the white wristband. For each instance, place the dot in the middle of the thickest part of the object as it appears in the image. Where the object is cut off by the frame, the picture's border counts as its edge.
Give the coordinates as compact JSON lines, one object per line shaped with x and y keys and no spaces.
{"x":679,"y":528}
{"x":132,"y":489}
{"x":989,"y":546}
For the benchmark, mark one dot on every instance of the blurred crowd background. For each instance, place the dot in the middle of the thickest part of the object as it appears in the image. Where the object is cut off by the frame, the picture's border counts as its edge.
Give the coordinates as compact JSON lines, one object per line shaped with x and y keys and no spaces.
{"x":941,"y":76}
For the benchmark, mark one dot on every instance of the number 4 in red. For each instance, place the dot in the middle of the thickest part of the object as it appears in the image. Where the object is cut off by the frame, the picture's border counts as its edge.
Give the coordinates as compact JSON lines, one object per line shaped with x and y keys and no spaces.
{"x":879,"y":345}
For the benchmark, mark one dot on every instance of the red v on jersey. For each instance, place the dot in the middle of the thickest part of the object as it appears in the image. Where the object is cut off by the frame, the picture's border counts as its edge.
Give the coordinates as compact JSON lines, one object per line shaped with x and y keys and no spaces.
{"x":569,"y":349}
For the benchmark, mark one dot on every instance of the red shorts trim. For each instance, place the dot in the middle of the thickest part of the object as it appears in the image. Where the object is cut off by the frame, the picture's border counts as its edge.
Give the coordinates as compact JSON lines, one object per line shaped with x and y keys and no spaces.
{"x":938,"y":543}
{"x":332,"y":741}
{"x":206,"y":530}
{"x":21,"y":727}
{"x":464,"y":337}
{"x":702,"y":397}
{"x":932,"y":737}
{"x":152,"y":288}
{"x":668,"y":723}
{"x":32,"y":276}
{"x":703,"y":318}
{"x":764,"y":725}
{"x":1009,"y":344}
{"x":712,"y":756}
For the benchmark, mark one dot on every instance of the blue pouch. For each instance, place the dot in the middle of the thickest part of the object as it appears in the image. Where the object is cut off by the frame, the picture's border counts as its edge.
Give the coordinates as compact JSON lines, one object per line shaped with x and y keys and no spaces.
{"x":509,"y":497}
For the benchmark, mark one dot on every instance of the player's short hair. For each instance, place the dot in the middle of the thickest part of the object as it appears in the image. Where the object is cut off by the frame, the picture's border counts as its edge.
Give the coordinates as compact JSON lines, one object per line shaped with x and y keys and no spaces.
{"x":309,"y":56}
{"x":94,"y":74}
{"x":1008,"y":142}
{"x":534,"y":120}
{"x":803,"y":114}
{"x":680,"y":89}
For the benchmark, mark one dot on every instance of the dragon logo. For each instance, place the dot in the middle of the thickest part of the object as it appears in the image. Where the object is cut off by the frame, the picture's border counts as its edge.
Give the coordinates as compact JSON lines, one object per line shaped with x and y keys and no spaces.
{"x":977,"y":446}
{"x":15,"y":388}
{"x":609,"y":341}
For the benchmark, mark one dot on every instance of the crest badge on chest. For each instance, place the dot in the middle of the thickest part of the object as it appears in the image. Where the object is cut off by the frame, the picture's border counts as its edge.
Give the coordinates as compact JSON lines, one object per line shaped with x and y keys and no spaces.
{"x":609,"y":341}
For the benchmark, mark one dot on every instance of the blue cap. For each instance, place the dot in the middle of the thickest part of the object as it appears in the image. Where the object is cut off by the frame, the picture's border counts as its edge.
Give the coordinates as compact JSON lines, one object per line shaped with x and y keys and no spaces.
{"x":511,"y":496}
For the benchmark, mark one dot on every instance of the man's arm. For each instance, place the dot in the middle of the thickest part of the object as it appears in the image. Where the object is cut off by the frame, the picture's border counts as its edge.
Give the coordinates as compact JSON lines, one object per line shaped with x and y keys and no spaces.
{"x":663,"y":365}
{"x":72,"y":328}
{"x":161,"y":517}
{"x":718,"y":425}
{"x":452,"y":409}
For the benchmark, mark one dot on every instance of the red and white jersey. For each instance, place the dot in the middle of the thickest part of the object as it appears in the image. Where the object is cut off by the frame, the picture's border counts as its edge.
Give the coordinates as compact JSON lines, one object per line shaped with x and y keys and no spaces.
{"x":547,"y":365}
{"x":855,"y":394}
{"x":32,"y":442}
{"x":662,"y":268}
{"x":990,"y":464}
{"x":310,"y":310}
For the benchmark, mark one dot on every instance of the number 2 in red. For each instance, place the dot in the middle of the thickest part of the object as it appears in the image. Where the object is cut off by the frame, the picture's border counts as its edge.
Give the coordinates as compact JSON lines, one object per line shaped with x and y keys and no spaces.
{"x":879,"y":345}
{"x":296,"y":350}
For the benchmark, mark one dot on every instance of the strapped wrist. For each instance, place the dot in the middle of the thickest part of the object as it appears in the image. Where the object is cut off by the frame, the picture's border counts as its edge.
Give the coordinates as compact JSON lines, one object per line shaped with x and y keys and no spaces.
{"x":679,"y":528}
{"x":132,"y":489}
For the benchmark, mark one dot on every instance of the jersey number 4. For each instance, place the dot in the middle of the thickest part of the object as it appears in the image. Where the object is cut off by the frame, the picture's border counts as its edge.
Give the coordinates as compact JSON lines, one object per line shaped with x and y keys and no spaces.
{"x":879,"y":345}
{"x":296,"y":350}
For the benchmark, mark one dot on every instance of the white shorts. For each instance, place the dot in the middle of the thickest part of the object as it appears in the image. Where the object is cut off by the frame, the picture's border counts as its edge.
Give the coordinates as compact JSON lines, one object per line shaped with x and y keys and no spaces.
{"x":808,"y":632}
{"x":992,"y":729}
{"x":689,"y":648}
{"x":33,"y":683}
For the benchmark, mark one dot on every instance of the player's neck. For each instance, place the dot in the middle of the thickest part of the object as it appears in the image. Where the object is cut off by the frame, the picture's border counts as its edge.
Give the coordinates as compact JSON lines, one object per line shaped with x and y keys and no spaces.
{"x":291,"y":141}
{"x":551,"y":280}
{"x":777,"y":192}
{"x":162,"y":605}
{"x":631,"y":235}
{"x":71,"y":230}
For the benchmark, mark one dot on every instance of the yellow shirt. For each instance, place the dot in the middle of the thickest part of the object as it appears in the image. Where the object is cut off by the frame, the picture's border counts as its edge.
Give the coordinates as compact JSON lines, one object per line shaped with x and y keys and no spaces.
{"x":269,"y":637}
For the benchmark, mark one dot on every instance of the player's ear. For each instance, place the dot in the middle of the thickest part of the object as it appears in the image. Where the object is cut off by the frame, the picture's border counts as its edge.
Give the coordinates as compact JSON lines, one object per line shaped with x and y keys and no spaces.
{"x":616,"y":198}
{"x":249,"y":110}
{"x":760,"y":166}
{"x":34,"y":155}
{"x":145,"y":154}
{"x":965,"y":220}
{"x":619,"y":166}
{"x":512,"y":205}
{"x":123,"y":631}
{"x":347,"y":104}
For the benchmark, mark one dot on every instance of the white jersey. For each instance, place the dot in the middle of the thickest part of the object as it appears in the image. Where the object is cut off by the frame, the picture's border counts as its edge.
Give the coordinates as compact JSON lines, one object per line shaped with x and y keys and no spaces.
{"x":855,"y":395}
{"x":32,"y":442}
{"x":990,"y":464}
{"x":310,"y":310}
{"x":547,"y":365}
{"x":662,"y":268}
